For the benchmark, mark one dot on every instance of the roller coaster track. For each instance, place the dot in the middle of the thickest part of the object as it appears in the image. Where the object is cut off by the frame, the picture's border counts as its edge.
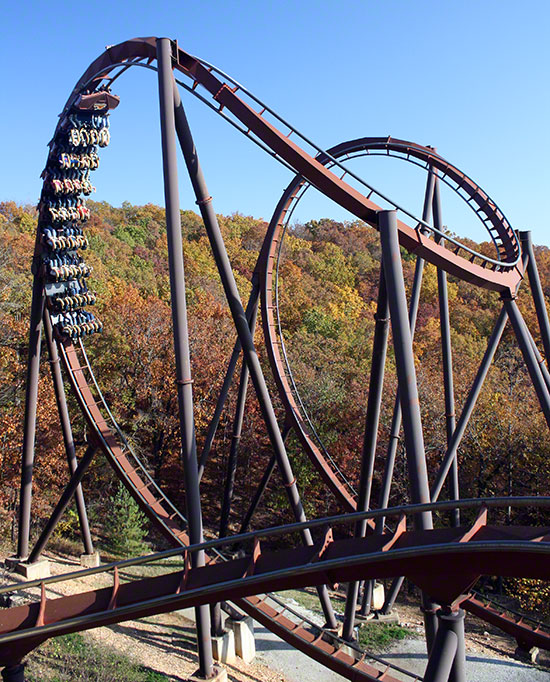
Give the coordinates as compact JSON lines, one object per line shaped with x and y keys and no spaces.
{"x":490,"y":549}
{"x":156,"y":505}
{"x":423,"y":157}
{"x":470,"y":551}
{"x":418,"y":554}
{"x":502,"y":274}
{"x":528,"y":632}
{"x":133,"y":473}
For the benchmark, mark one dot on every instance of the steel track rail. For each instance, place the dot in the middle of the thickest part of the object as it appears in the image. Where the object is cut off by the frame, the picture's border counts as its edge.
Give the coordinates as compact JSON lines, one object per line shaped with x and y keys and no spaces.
{"x":527,"y":631}
{"x":502,"y":274}
{"x":157,"y":507}
{"x":269,"y":276}
{"x":418,"y":553}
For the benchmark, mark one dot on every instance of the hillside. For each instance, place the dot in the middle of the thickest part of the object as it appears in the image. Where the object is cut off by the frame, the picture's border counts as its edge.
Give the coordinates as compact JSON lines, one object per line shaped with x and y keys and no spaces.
{"x":328,"y":284}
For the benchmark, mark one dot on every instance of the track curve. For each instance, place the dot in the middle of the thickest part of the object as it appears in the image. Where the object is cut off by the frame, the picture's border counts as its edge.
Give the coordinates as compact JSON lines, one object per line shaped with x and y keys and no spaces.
{"x":423,"y":156}
{"x":171,"y":523}
{"x":418,"y":554}
{"x":501,"y":275}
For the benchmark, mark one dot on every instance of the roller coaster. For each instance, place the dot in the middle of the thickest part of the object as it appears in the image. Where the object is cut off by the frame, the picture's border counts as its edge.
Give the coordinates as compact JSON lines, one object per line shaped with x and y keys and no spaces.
{"x":363,"y":543}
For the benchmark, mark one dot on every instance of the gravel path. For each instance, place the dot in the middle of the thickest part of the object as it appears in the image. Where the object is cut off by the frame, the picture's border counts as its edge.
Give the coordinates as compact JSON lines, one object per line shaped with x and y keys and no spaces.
{"x":411,"y":655}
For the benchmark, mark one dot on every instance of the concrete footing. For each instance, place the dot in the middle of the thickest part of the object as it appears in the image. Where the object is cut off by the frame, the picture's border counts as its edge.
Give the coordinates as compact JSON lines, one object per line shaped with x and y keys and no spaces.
{"x":378,"y":596}
{"x":220,"y":675}
{"x":350,"y":651}
{"x":223,"y":648}
{"x":90,"y":560}
{"x":243,"y":630}
{"x":379,"y":617}
{"x":34,"y":571}
{"x":528,"y":655}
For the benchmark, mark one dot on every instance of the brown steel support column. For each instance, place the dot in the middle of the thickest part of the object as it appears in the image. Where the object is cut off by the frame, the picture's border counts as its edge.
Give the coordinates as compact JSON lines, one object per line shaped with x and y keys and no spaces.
{"x":384,"y":495}
{"x":67,"y":431}
{"x":447,"y":658}
{"x":408,"y":389}
{"x":395,"y":428}
{"x":236,"y":438}
{"x":469,"y":405}
{"x":215,"y":609}
{"x":181,"y":337}
{"x":376,"y":383}
{"x":447,"y":357}
{"x":251,"y":310}
{"x":537,"y":292}
{"x":14,"y":673}
{"x":64,"y":500}
{"x":259,"y":492}
{"x":523,"y":337}
{"x":204,"y":200}
{"x":31,"y":402}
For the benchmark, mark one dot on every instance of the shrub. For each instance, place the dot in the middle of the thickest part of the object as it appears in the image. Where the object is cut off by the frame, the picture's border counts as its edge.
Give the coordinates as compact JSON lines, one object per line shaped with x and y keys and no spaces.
{"x":126,"y":531}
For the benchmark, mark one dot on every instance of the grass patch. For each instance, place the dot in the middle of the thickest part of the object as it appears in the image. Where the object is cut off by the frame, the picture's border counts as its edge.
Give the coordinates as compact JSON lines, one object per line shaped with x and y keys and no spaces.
{"x":71,"y":657}
{"x":306,"y":599}
{"x":379,"y":636}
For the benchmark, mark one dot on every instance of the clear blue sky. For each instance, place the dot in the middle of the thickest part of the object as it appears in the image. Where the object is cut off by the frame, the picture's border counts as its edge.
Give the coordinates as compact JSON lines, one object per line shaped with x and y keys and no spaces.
{"x":469,"y":77}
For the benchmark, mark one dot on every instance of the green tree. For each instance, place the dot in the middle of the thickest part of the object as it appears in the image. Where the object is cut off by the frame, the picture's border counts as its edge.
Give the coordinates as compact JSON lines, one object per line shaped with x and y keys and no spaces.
{"x":126,"y":534}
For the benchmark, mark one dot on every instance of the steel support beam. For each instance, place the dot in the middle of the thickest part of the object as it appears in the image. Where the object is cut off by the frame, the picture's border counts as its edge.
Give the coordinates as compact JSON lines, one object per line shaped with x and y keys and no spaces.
{"x":63,"y":502}
{"x":529,"y":356}
{"x":447,"y":357}
{"x":391,"y":454}
{"x":395,"y":428}
{"x":236,"y":438}
{"x":262,"y":485}
{"x":31,"y":403}
{"x":447,"y":658}
{"x":67,"y":431}
{"x":204,"y":201}
{"x":469,"y":405}
{"x":391,"y":595}
{"x":408,"y":389}
{"x":181,"y":335}
{"x":14,"y":673}
{"x":251,"y":310}
{"x":536,"y":291}
{"x":376,"y":384}
{"x":384,"y":495}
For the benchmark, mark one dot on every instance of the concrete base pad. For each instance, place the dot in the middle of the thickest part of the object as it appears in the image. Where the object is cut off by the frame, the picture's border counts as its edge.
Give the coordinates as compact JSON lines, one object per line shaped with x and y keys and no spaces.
{"x":379,"y":617}
{"x":245,"y":646}
{"x":35,"y":571}
{"x":359,"y":618}
{"x":223,"y":648}
{"x":528,"y":655}
{"x":90,"y":560}
{"x":346,"y":649}
{"x":378,"y":596}
{"x":220,"y":675}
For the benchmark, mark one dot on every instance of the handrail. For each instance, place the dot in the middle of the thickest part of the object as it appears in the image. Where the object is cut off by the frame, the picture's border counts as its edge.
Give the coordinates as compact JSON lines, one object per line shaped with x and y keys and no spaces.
{"x":340,"y":165}
{"x":124,"y":439}
{"x":274,"y":531}
{"x":418,"y":221}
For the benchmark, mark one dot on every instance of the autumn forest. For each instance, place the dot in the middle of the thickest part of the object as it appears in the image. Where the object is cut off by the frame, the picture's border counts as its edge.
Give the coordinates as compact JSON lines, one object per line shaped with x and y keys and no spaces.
{"x":327,"y":293}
